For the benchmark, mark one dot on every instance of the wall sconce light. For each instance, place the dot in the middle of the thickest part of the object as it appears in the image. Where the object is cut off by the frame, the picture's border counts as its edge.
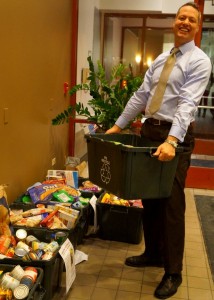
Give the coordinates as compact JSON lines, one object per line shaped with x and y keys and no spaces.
{"x":149,"y":61}
{"x":213,"y":2}
{"x":138,"y":58}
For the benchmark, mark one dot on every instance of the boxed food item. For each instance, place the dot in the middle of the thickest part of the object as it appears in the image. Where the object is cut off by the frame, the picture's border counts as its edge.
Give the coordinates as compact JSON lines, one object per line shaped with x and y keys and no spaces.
{"x":70,"y":176}
{"x":123,"y":164}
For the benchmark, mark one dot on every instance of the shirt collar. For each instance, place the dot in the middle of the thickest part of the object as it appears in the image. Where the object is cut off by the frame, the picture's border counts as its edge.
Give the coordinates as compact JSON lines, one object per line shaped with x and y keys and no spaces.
{"x":187,"y":47}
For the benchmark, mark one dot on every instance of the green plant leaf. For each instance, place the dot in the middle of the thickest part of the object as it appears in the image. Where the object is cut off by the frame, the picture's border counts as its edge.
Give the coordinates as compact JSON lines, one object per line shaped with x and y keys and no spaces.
{"x":108,"y":97}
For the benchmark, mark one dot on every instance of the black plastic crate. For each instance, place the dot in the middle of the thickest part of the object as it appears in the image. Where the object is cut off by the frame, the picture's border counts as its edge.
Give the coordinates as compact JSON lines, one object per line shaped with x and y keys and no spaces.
{"x":123,"y":165}
{"x":119,"y":223}
{"x":37,"y":292}
{"x":72,"y":233}
{"x":51,"y":268}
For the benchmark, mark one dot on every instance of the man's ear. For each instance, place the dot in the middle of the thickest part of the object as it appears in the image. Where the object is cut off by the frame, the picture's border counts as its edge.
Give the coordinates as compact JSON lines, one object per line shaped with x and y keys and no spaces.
{"x":198,"y":28}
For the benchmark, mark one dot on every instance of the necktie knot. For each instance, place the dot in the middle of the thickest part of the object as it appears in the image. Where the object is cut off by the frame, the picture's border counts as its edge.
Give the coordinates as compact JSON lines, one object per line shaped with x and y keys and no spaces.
{"x":174,"y":50}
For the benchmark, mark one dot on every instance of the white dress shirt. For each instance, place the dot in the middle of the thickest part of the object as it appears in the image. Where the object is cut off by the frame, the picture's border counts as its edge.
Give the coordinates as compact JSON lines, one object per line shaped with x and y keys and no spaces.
{"x":185,"y":87}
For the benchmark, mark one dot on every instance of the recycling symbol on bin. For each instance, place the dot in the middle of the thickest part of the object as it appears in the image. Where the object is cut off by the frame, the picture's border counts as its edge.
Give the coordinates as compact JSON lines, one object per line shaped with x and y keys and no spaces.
{"x":105,"y":171}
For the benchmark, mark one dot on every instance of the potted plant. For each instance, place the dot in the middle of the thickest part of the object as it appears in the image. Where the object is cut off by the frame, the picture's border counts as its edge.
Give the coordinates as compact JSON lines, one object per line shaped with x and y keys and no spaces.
{"x":108,"y":97}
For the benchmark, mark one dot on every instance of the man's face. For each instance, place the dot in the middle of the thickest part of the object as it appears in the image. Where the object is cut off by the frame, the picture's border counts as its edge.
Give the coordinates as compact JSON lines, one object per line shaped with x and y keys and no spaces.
{"x":186,"y":25}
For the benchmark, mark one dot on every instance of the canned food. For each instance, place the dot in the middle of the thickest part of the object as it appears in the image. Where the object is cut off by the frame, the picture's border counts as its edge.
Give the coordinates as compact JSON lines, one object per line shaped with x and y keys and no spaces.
{"x":18,"y":272}
{"x":33,"y":255}
{"x":52,"y":247}
{"x":30,"y":239}
{"x":38,"y":245}
{"x":39,"y":253}
{"x":31,"y":272}
{"x":26,"y":257}
{"x":47,"y":256}
{"x":19,"y":252}
{"x":21,"y":292}
{"x":23,"y":246}
{"x":21,"y":234}
{"x":8,"y":282}
{"x":60,"y":237}
{"x":27,"y":280}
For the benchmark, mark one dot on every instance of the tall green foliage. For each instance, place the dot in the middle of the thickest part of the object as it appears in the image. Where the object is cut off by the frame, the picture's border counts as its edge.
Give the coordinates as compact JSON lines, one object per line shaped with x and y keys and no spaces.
{"x":108,"y":97}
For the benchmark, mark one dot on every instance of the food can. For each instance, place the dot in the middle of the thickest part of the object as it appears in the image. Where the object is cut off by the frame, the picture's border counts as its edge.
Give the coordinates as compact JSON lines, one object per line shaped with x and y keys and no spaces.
{"x":27,"y":280}
{"x":33,"y":255}
{"x":26,"y":257}
{"x":4,"y":243}
{"x":8,"y":282}
{"x":52,"y":247}
{"x":36,"y":255}
{"x":31,"y":272}
{"x":39,"y":253}
{"x":6,"y":294}
{"x":38,"y":245}
{"x":21,"y":234}
{"x":19,"y":252}
{"x":47,"y":256}
{"x":21,"y":292}
{"x":23,"y":246}
{"x":60,"y":237}
{"x":30,"y":239}
{"x":17,"y":272}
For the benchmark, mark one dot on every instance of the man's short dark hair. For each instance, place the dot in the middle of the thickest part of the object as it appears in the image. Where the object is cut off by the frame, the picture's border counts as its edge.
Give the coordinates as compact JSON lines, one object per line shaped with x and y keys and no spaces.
{"x":195,"y":6}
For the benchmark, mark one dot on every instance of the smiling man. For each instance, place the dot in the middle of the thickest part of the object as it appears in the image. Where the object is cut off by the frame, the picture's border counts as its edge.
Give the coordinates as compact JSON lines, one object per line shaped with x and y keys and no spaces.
{"x":171,"y":123}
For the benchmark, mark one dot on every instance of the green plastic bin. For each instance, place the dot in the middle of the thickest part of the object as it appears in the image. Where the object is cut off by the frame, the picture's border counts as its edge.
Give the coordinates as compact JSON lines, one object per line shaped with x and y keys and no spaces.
{"x":123,"y":165}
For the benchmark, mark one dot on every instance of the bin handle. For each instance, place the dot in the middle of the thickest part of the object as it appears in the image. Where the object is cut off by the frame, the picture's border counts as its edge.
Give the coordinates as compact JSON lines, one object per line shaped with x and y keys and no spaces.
{"x":118,"y":210}
{"x":152,"y":150}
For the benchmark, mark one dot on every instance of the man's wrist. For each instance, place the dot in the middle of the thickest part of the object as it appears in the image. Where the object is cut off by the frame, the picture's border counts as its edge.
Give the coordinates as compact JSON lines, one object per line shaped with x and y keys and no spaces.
{"x":172,"y":143}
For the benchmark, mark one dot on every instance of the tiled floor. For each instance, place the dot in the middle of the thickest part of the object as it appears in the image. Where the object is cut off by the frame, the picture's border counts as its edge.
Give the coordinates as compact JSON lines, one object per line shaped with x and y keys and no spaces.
{"x":105,"y":277}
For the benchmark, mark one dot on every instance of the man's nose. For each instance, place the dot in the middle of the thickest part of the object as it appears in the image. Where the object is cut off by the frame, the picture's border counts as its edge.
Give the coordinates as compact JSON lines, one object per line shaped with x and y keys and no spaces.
{"x":186,"y":21}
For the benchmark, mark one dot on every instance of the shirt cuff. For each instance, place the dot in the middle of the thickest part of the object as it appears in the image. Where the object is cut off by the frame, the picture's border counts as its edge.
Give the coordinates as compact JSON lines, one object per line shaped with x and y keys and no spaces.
{"x":177,"y":132}
{"x":121,"y":122}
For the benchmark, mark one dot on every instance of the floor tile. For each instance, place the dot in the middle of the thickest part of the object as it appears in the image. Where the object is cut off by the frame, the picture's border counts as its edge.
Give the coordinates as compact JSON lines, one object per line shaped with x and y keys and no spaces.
{"x":132,"y":273}
{"x":107,"y":282}
{"x":199,"y":294}
{"x":130,"y":285}
{"x":85,"y":279}
{"x":124,"y":295}
{"x":198,"y":283}
{"x":197,"y":272}
{"x":103,"y":294}
{"x":83,"y":292}
{"x":111,"y":271}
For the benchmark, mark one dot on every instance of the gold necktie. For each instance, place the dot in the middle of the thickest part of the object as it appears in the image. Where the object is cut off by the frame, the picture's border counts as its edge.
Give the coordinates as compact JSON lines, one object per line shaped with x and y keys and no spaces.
{"x":161,"y":87}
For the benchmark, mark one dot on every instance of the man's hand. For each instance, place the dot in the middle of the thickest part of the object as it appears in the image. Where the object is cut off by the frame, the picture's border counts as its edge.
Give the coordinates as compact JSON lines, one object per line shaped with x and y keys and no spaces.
{"x":114,"y":129}
{"x":165,"y":152}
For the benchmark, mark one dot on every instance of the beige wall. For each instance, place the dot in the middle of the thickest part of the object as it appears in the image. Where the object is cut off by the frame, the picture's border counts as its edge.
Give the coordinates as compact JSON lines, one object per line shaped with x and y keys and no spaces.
{"x":34,"y":64}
